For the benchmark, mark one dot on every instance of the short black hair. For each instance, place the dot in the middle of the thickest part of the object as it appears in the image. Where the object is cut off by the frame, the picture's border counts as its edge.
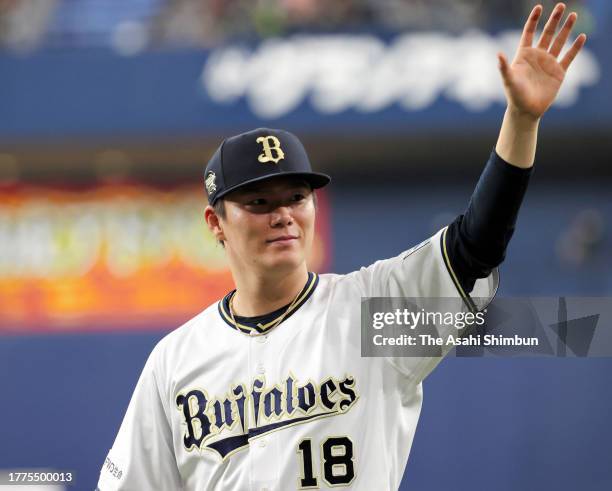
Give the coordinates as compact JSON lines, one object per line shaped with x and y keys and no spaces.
{"x":219,"y":208}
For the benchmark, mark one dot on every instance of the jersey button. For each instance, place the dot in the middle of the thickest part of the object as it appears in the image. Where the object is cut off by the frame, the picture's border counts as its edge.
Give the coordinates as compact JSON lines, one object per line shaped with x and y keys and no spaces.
{"x":262,"y":339}
{"x":260,"y":369}
{"x":262,"y":443}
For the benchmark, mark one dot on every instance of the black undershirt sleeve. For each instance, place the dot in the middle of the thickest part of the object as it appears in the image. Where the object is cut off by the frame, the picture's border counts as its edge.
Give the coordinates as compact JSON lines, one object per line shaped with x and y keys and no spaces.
{"x":477,"y":240}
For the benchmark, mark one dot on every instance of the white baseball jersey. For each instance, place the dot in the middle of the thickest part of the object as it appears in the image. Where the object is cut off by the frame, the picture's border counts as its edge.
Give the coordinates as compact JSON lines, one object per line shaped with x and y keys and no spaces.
{"x":297,"y":407}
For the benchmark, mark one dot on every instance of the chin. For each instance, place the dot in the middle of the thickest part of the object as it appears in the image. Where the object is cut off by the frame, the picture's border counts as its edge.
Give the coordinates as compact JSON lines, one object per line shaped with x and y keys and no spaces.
{"x":286,"y":261}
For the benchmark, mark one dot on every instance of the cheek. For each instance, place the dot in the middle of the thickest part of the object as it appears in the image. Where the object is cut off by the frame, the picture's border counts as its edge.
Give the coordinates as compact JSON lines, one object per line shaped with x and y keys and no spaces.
{"x":249,"y":228}
{"x":307,"y":222}
{"x":236,"y":228}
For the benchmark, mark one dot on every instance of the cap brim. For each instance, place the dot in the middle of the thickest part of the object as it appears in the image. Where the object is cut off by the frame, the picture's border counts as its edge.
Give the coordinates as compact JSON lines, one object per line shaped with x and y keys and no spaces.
{"x":315,"y":179}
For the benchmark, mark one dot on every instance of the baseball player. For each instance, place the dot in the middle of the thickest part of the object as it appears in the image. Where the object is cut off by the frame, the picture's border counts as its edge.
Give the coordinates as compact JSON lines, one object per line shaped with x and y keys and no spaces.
{"x":266,"y":389}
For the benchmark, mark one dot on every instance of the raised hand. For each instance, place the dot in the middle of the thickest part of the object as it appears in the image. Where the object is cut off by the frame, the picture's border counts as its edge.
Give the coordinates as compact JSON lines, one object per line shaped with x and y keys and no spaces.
{"x":534,"y":77}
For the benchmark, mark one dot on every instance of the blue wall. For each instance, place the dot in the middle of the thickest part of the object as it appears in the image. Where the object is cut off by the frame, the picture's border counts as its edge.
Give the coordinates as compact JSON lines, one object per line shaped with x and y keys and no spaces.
{"x":501,"y":424}
{"x":96,"y":93}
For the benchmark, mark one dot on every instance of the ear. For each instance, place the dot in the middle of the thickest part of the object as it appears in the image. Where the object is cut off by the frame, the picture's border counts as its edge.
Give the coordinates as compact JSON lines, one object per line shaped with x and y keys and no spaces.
{"x":214,"y":223}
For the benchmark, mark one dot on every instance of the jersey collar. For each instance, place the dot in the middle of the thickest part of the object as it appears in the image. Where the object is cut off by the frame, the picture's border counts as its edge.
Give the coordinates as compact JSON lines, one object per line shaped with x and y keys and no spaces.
{"x":261,"y":324}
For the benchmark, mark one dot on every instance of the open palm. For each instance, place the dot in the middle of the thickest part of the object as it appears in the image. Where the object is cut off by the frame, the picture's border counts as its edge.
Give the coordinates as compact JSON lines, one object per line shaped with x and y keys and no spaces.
{"x":535,"y":76}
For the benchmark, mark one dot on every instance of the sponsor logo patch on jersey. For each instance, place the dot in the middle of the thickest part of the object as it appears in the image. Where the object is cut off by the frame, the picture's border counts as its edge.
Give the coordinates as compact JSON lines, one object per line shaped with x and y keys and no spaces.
{"x":226,"y":424}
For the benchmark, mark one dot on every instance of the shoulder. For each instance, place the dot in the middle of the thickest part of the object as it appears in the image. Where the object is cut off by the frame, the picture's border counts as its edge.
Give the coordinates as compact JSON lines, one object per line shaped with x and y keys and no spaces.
{"x":410,"y":260}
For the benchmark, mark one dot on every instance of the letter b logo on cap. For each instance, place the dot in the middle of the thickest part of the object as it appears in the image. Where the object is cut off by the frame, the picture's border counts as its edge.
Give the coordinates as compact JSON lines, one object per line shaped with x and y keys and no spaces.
{"x":272,"y":151}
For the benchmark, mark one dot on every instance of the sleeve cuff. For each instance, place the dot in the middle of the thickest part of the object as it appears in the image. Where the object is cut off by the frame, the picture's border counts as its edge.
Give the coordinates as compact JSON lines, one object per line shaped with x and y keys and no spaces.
{"x":508,"y":168}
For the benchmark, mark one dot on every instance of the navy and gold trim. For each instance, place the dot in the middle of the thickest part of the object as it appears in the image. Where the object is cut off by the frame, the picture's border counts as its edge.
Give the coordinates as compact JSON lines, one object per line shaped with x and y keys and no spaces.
{"x":465,"y":296}
{"x":263,"y":323}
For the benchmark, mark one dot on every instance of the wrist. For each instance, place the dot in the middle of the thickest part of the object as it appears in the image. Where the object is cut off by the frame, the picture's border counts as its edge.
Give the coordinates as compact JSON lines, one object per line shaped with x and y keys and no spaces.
{"x":522,"y":119}
{"x":518,"y":138}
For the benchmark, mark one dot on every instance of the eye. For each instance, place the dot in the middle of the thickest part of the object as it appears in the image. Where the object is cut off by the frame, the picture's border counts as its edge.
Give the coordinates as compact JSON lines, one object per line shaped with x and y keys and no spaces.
{"x":298,"y":197}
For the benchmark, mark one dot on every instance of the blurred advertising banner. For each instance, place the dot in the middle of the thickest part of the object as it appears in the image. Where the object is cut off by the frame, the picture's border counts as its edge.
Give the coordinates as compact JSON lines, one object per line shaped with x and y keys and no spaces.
{"x":314,"y":83}
{"x":113,"y":257}
{"x":369,"y":74}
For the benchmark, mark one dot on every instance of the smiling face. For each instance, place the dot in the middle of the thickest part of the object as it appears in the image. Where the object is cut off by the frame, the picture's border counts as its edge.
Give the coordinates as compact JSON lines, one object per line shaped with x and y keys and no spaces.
{"x":267,"y":226}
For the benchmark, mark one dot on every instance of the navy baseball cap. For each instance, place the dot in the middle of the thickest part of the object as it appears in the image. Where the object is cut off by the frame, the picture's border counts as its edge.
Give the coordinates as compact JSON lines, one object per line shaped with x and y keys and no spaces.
{"x":256,"y":156}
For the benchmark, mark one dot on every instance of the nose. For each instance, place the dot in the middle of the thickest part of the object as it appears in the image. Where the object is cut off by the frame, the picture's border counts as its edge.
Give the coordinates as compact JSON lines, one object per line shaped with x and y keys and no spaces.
{"x":281,"y":217}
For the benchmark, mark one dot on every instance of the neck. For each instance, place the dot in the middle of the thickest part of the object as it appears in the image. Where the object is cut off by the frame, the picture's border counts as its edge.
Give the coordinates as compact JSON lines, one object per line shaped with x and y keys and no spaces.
{"x":259,"y":295}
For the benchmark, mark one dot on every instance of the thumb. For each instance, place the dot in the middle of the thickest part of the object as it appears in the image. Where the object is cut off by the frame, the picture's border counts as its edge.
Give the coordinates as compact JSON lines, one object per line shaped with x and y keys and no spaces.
{"x":503,"y":66}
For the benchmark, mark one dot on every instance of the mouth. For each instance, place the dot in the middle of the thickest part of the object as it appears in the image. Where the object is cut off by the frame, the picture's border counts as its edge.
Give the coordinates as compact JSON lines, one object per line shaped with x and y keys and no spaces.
{"x":283,"y":239}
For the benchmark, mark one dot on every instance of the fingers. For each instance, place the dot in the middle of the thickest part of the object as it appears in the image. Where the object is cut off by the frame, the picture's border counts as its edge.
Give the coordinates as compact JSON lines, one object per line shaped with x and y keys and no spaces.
{"x":504,"y":68}
{"x":549,"y":33}
{"x":531,"y":26}
{"x":564,"y":33}
{"x":551,"y":26}
{"x":503,"y":64}
{"x":573,"y":51}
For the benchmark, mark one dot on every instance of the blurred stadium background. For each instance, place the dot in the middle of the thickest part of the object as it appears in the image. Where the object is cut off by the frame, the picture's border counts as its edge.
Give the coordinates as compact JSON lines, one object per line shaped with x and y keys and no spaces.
{"x":109,"y":110}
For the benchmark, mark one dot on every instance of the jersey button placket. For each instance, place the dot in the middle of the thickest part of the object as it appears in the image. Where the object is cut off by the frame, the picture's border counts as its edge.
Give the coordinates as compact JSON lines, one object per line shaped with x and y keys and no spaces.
{"x":262,"y":449}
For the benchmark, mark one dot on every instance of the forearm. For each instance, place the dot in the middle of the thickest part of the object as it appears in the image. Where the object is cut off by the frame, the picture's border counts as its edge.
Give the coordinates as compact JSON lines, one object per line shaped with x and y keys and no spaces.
{"x":477,"y":240}
{"x":518,"y":138}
